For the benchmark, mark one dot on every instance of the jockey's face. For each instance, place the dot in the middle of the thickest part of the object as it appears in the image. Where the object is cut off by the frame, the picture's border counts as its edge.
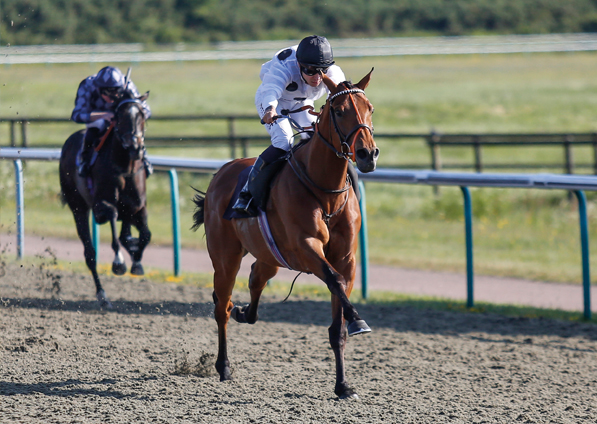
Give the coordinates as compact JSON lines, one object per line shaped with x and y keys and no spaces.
{"x":111,"y":94}
{"x":312,"y":76}
{"x":107,"y":98}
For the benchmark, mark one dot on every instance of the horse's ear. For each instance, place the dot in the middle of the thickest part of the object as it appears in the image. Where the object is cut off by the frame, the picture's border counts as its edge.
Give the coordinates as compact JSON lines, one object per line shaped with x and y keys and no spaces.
{"x":144,"y":96}
{"x":329,"y":83}
{"x":363,"y":83}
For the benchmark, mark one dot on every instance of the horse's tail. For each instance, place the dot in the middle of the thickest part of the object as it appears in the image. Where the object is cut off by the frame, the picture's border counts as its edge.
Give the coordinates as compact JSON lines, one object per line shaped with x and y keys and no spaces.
{"x":198,"y":215}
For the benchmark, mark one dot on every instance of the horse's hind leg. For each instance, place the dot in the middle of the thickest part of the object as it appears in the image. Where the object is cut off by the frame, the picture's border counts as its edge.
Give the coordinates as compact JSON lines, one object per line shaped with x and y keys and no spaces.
{"x":226,"y":256}
{"x":81,"y":214}
{"x":260,"y":274}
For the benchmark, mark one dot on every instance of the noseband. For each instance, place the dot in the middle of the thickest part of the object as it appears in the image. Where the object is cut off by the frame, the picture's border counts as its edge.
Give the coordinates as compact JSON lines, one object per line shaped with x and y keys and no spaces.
{"x":344,"y":138}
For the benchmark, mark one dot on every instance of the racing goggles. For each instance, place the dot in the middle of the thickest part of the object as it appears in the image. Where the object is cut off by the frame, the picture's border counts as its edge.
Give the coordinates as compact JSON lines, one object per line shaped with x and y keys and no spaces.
{"x":310,"y":71}
{"x":111,"y":92}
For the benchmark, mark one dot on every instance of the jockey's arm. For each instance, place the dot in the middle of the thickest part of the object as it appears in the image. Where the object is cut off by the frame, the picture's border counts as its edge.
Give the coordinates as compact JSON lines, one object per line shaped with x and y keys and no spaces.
{"x":94,"y":116}
{"x":268,"y":116}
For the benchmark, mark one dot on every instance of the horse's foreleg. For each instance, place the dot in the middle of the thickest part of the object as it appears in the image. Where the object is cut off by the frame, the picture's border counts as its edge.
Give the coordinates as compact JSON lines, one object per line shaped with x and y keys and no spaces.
{"x":118,"y":265}
{"x":260,"y":274}
{"x":81,"y":215}
{"x":337,"y":285}
{"x":337,"y":333}
{"x":136,"y":246}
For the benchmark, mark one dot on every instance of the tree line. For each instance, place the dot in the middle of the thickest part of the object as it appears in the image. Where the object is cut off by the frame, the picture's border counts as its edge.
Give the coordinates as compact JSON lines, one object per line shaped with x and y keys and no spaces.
{"x":26,"y":22}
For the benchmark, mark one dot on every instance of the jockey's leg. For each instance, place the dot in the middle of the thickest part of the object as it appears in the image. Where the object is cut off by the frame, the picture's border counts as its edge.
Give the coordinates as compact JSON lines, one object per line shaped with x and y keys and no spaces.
{"x":148,"y":166}
{"x":91,"y":135}
{"x":268,"y":156}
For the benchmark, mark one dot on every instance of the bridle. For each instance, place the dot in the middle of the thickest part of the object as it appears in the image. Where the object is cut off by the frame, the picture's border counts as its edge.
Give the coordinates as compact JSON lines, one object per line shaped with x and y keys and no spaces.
{"x":133,"y":133}
{"x":301,"y":173}
{"x":353,"y":132}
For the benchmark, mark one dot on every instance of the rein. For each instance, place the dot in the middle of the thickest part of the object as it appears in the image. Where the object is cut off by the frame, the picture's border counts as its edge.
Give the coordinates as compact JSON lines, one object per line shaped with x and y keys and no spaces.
{"x":105,"y":137}
{"x":113,"y":127}
{"x":301,"y":173}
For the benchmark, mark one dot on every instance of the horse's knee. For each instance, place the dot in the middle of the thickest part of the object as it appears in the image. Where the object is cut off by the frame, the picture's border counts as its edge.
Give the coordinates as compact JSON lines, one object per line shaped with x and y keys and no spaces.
{"x":104,"y":213}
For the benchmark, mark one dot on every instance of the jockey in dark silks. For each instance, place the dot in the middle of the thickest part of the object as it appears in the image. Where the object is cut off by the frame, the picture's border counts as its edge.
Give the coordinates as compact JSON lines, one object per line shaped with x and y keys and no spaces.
{"x":291,"y":83}
{"x":97,"y":98}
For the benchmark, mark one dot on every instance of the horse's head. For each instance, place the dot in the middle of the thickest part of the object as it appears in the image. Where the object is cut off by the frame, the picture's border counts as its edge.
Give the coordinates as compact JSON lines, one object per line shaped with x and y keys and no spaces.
{"x":350,"y":113}
{"x":130,"y":125}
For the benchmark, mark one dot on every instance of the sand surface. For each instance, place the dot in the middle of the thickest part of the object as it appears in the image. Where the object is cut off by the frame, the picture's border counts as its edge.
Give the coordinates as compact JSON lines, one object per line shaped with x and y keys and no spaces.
{"x":150,"y":359}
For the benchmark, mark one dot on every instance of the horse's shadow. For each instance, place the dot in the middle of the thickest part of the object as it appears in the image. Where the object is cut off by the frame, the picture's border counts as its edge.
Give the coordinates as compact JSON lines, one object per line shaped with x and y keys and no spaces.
{"x":63,"y":388}
{"x":119,"y":306}
{"x":402,"y":319}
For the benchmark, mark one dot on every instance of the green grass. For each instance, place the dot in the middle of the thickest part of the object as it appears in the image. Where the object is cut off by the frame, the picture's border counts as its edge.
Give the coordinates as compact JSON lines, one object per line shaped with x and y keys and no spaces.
{"x":518,"y":233}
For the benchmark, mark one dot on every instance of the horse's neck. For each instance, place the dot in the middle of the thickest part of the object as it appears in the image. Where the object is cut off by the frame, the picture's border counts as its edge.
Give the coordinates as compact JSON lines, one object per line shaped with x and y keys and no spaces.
{"x":322,"y":164}
{"x":118,"y":156}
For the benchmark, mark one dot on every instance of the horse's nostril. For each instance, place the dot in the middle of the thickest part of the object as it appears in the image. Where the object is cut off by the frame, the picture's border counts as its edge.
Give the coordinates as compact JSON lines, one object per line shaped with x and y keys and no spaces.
{"x":362,"y":154}
{"x":376,"y":153}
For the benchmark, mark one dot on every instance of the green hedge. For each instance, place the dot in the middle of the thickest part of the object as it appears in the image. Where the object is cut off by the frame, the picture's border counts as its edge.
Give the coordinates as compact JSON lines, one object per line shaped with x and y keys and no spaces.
{"x":165,"y":21}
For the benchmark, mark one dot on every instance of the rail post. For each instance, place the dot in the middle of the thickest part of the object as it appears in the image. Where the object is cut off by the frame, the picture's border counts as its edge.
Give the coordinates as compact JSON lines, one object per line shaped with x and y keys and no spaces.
{"x":20,"y":203}
{"x":24,"y":142}
{"x":231,"y":137}
{"x":468,"y":230}
{"x":436,"y":162}
{"x":584,"y":243}
{"x":13,"y":136}
{"x":594,"y":139}
{"x":175,"y":205}
{"x":477,"y":149}
{"x":244,"y":144}
{"x":95,"y":236}
{"x":569,"y":165}
{"x":364,"y":244}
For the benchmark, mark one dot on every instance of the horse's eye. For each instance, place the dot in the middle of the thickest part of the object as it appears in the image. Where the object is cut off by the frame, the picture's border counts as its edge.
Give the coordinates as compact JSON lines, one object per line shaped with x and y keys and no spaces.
{"x":338,"y":113}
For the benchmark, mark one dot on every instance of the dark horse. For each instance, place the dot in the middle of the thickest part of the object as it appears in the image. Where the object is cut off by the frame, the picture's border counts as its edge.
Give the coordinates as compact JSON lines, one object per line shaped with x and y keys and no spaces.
{"x":314,"y":217}
{"x":115,"y":189}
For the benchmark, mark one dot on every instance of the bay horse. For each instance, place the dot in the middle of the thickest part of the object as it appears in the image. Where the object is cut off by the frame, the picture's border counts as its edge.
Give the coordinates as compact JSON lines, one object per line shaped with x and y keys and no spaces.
{"x":114,"y":190}
{"x":313,"y":215}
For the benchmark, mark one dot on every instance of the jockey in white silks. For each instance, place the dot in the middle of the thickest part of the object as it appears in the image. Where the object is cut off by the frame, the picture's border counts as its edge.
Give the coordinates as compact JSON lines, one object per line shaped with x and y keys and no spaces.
{"x":290,"y":83}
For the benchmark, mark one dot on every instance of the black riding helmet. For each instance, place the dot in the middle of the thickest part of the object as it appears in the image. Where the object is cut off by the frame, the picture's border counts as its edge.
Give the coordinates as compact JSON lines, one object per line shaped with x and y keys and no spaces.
{"x":315,"y":51}
{"x":110,"y":81}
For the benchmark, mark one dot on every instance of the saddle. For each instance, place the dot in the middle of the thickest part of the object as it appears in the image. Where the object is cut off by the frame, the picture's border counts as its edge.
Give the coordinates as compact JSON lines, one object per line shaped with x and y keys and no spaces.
{"x":260,"y":188}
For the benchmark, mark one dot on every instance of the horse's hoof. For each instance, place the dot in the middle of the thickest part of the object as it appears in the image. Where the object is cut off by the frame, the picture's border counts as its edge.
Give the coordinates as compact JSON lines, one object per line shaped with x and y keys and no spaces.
{"x":226,"y":376}
{"x":137,"y":269}
{"x":357,"y":327}
{"x":103,"y":300}
{"x":347,"y":393}
{"x":238,"y":314}
{"x":118,"y":268}
{"x":351,"y":395}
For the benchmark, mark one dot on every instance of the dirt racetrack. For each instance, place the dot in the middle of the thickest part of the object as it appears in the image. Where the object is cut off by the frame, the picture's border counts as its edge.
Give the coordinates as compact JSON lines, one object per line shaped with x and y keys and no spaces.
{"x":150,"y":359}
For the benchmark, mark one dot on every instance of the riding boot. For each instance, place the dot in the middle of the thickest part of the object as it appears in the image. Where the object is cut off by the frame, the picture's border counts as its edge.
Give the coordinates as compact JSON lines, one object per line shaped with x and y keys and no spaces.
{"x":243,"y":202}
{"x":269,"y":155}
{"x":84,"y":158}
{"x":148,"y":166}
